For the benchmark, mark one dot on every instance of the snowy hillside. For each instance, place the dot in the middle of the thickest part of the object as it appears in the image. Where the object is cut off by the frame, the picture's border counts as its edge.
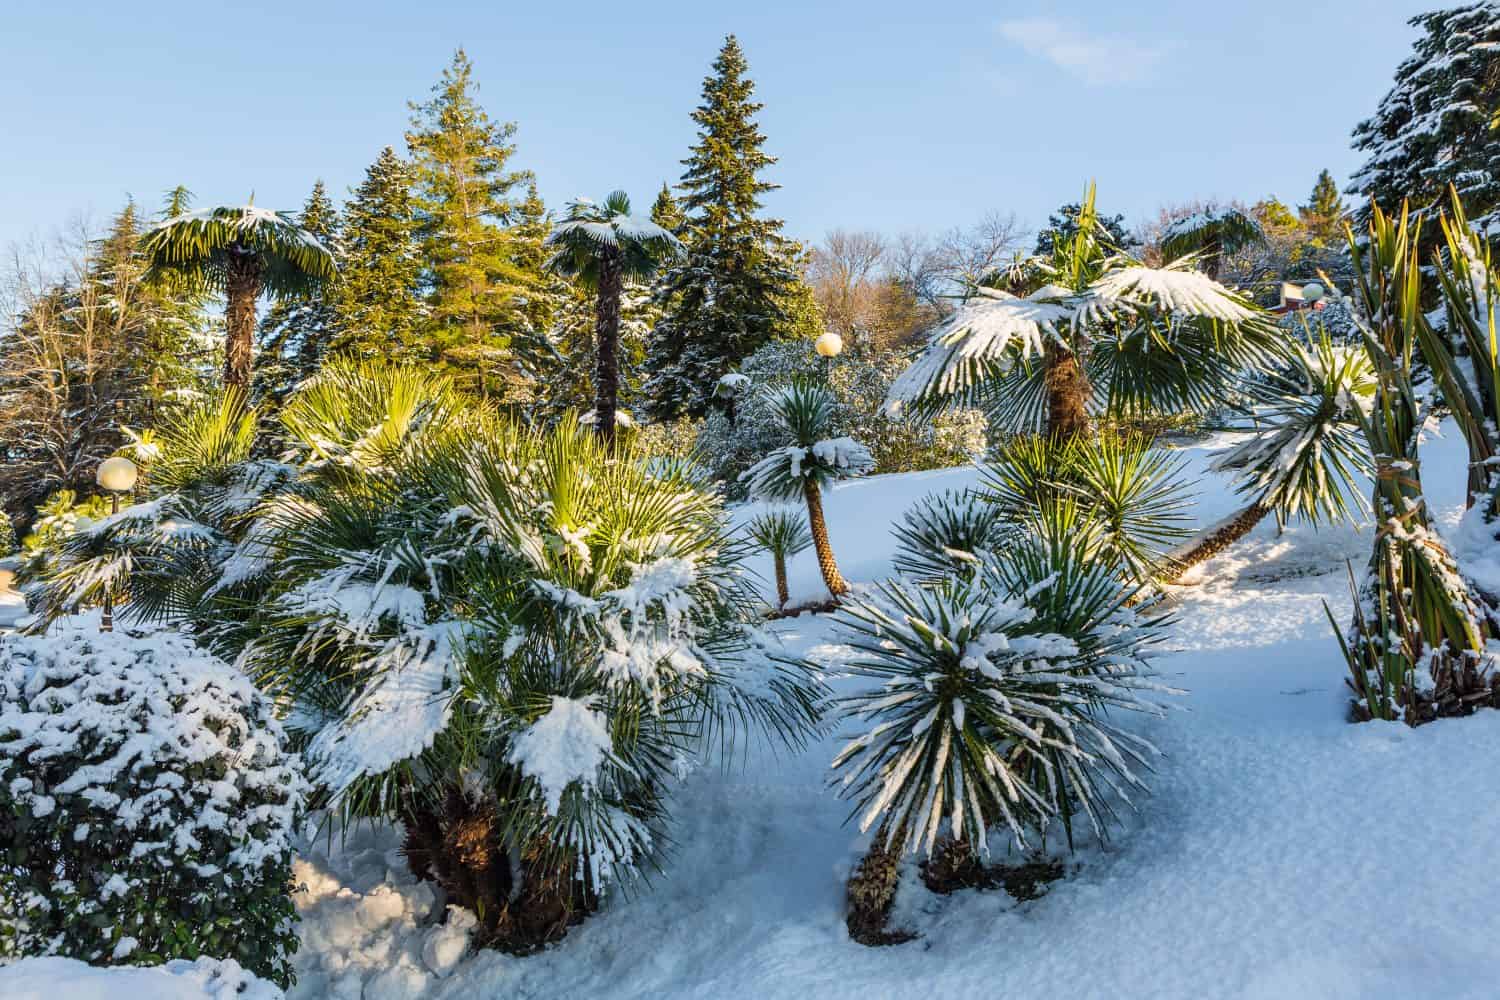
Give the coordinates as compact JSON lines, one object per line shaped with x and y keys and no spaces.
{"x":1283,"y":853}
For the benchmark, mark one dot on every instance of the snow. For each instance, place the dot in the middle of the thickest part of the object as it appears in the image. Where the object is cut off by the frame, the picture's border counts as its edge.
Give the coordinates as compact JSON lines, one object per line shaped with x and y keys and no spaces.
{"x":1283,"y":852}
{"x":568,"y":745}
{"x":68,"y":979}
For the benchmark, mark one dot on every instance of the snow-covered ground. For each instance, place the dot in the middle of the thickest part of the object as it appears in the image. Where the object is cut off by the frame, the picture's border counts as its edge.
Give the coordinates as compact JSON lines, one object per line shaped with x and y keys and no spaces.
{"x":1284,"y":852}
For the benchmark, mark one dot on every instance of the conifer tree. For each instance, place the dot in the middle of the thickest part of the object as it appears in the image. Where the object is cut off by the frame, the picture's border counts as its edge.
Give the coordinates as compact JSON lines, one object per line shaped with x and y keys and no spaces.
{"x":1323,"y":215}
{"x":665,"y":211}
{"x":478,"y":284}
{"x":295,"y":332}
{"x":1433,"y":128}
{"x":725,"y":298}
{"x":378,"y":308}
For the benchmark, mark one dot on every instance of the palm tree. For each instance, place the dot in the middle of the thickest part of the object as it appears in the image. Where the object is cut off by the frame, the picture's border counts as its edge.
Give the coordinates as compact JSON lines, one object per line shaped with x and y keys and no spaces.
{"x":783,"y":533}
{"x":239,"y":251}
{"x":1151,"y":339}
{"x":1213,"y":234}
{"x":604,"y":246}
{"x":800,"y":470}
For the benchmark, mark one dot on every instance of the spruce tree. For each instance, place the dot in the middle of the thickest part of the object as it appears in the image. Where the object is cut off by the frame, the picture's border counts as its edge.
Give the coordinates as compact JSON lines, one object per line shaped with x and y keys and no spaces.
{"x":665,"y":211}
{"x":378,"y":308}
{"x":726,"y":297}
{"x":1434,"y":126}
{"x":478,"y":285}
{"x":1324,"y":212}
{"x":295,"y":332}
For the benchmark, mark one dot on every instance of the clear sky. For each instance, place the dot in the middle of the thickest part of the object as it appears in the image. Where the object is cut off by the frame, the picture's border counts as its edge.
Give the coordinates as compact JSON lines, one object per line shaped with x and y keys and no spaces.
{"x":885,"y":115}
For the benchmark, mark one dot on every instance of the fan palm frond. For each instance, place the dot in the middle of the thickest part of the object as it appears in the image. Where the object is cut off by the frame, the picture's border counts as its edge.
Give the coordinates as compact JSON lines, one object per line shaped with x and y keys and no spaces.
{"x":195,"y":248}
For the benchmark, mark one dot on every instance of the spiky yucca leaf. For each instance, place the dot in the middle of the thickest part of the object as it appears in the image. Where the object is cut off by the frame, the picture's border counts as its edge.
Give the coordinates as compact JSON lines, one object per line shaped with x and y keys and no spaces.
{"x":947,"y":534}
{"x":1312,"y":460}
{"x":986,"y":709}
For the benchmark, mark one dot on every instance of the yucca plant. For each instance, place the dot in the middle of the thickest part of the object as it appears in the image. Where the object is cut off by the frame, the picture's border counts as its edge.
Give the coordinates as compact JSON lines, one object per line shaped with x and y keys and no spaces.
{"x":241,"y":252}
{"x":986,"y":708}
{"x":801,"y":470}
{"x":1097,"y":331}
{"x":947,"y":534}
{"x":1411,"y":567}
{"x":1133,"y":493}
{"x":783,"y":533}
{"x":1310,"y":460}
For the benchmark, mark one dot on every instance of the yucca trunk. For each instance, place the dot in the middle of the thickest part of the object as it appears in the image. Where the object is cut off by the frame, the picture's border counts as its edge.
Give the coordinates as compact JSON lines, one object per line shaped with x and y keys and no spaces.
{"x":1216,"y":539}
{"x":831,"y":575}
{"x":781,"y":592}
{"x":607,"y":347}
{"x":1068,"y":392}
{"x":242,"y":288}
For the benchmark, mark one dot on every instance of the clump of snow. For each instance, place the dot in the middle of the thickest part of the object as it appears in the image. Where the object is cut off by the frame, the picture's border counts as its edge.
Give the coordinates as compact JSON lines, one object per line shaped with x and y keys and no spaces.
{"x":70,"y":979}
{"x":568,"y":745}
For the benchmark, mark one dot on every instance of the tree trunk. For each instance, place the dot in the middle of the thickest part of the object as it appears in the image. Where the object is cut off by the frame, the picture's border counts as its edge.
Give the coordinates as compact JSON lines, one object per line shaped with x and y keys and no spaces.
{"x":781,"y":592}
{"x":607,"y":347}
{"x":1215,"y":539}
{"x":1068,"y":393}
{"x":242,"y":288}
{"x":831,"y":575}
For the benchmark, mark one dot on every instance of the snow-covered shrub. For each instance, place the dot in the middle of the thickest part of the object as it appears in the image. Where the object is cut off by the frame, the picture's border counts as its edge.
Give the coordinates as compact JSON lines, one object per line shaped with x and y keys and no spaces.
{"x":858,"y":380}
{"x":7,"y":535}
{"x":56,"y":523}
{"x":1132,"y":493}
{"x":946,"y":534}
{"x":988,"y":698}
{"x":146,"y":805}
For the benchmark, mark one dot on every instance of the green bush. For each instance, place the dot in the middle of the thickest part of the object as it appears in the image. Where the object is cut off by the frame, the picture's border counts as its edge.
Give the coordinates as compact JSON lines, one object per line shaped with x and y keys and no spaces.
{"x":146,"y":805}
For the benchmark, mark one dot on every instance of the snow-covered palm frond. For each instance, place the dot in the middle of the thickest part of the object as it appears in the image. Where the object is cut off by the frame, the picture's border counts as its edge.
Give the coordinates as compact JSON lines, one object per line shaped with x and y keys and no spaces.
{"x":986,"y":708}
{"x":1218,"y":230}
{"x":195,"y":249}
{"x":1312,"y":460}
{"x":988,"y":334}
{"x":1172,"y":293}
{"x":805,"y":410}
{"x":591,"y":231}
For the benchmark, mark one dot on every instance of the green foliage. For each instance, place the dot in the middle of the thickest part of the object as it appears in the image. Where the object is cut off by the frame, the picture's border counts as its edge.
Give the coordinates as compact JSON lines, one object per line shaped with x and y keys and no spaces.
{"x":1213,"y":233}
{"x":146,"y":806}
{"x":1133,"y":494}
{"x":731,"y":292}
{"x":55,"y":525}
{"x":194,"y":251}
{"x":295,"y":332}
{"x":781,"y":531}
{"x":378,"y":307}
{"x":7,"y":535}
{"x":1311,"y":459}
{"x":948,"y":534}
{"x":1324,"y":212}
{"x":590,"y":233}
{"x":804,"y":410}
{"x":988,"y":698}
{"x":481,"y":274}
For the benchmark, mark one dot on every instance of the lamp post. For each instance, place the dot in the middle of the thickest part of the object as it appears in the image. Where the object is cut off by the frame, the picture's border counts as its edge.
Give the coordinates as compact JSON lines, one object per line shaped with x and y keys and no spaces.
{"x":828,"y":346}
{"x":1312,"y":293}
{"x":116,"y":475}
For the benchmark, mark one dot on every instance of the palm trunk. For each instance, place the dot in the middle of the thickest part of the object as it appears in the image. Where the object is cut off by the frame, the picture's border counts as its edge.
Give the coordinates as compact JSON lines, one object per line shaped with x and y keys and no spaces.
{"x":242,"y":288}
{"x":831,"y":575}
{"x":607,"y":348}
{"x":1215,"y":540}
{"x":781,"y":592}
{"x":1068,"y":392}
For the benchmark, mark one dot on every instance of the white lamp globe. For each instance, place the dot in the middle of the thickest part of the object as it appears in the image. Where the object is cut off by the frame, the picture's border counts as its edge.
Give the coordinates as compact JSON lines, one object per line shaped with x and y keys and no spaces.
{"x":829,"y":344}
{"x":1312,"y":292}
{"x":117,"y":474}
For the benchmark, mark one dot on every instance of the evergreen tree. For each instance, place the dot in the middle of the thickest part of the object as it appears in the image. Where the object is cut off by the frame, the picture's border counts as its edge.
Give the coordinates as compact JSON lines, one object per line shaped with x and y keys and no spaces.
{"x":1324,"y":212}
{"x":378,"y":308}
{"x":295,"y":332}
{"x":1062,"y":228}
{"x":726,"y":297}
{"x":477,"y":281}
{"x":1433,"y":128}
{"x":665,"y":211}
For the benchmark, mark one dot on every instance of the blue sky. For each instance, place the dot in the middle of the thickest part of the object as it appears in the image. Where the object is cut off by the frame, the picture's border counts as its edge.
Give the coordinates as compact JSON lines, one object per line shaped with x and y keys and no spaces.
{"x":885,"y":115}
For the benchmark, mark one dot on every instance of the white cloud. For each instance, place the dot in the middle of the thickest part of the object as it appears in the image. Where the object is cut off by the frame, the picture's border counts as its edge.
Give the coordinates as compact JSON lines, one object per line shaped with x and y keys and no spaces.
{"x":1093,"y":59}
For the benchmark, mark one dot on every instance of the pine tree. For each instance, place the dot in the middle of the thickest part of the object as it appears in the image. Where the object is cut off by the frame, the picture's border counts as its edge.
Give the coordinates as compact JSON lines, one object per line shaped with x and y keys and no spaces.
{"x":378,"y":308}
{"x":295,"y":332}
{"x":478,"y":287}
{"x":665,"y":211}
{"x":1434,"y":126}
{"x":1324,"y":212}
{"x":726,"y":297}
